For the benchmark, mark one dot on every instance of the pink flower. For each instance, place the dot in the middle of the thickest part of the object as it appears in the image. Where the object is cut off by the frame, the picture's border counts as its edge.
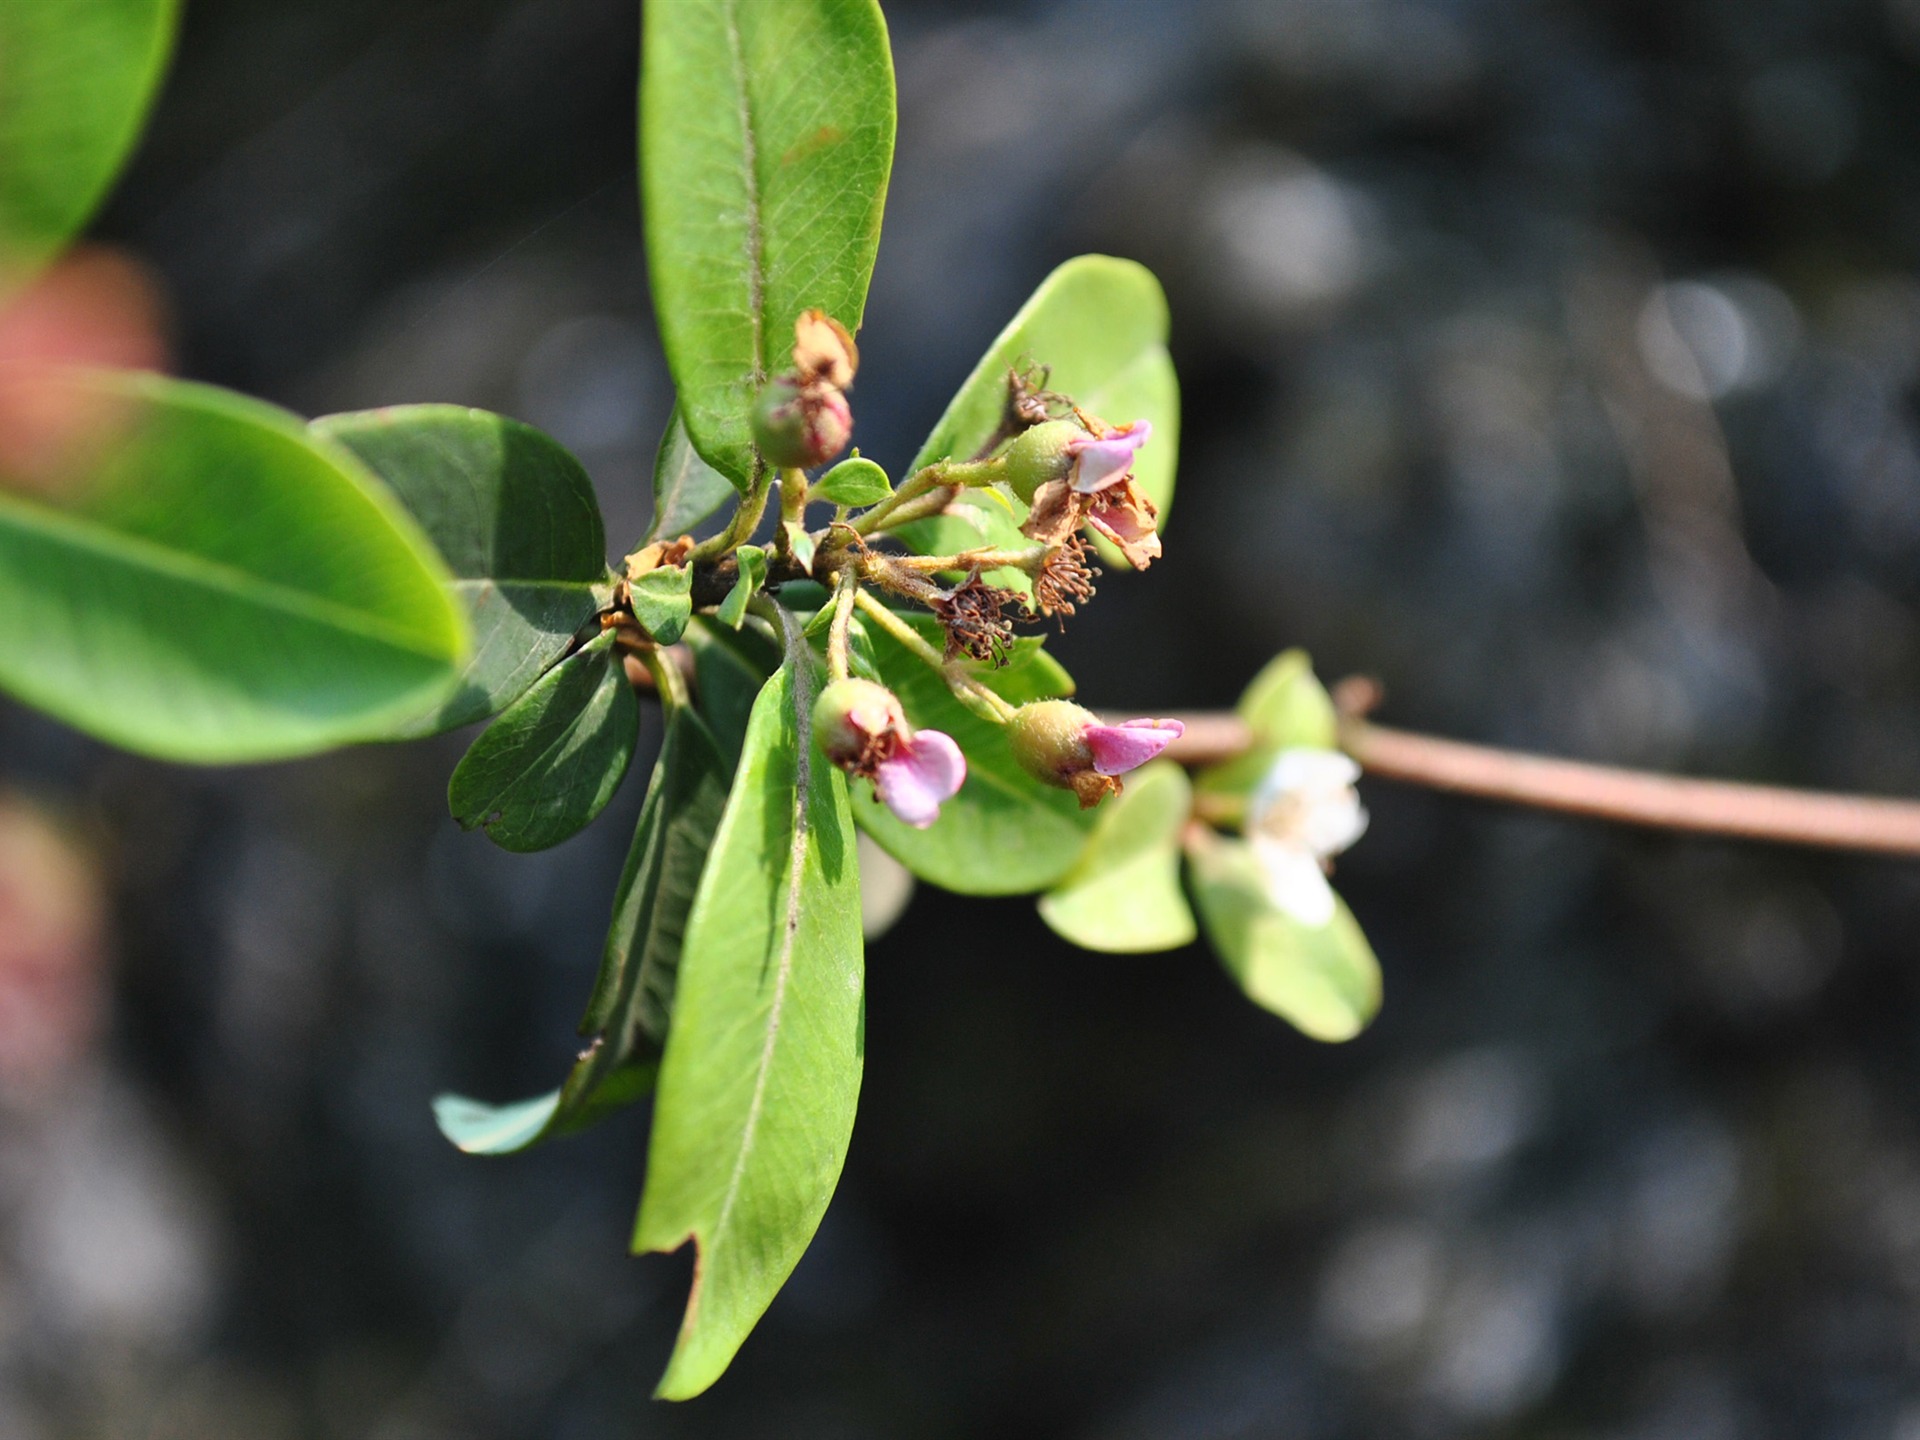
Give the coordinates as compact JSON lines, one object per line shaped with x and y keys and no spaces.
{"x":922,"y":772}
{"x":1106,"y":459}
{"x":863,"y":730}
{"x":1117,"y":749}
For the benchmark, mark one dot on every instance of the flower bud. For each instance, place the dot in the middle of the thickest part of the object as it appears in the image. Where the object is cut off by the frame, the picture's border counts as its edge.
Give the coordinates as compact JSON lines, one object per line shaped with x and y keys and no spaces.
{"x":1041,"y":454}
{"x":1059,"y":743}
{"x":798,"y":426}
{"x":852,"y":718}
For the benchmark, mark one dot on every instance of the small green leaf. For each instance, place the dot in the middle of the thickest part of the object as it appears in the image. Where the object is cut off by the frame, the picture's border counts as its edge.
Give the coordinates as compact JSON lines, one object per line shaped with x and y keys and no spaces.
{"x":686,"y":490}
{"x":1284,"y":706}
{"x":799,"y":543}
{"x":663,"y":601}
{"x":76,"y":78}
{"x":1100,"y":326}
{"x":762,"y":1067}
{"x":732,"y":611}
{"x":211,"y":583}
{"x":550,"y":764}
{"x":1324,"y":980}
{"x":1005,"y":833}
{"x":515,"y":518}
{"x":729,"y":670}
{"x":626,"y":1020}
{"x":853,"y":481}
{"x":766,"y":138}
{"x":1123,"y":895}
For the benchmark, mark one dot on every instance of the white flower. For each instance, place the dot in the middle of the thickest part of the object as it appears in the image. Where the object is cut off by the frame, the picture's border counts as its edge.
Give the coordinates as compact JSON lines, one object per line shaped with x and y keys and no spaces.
{"x":1305,"y":811}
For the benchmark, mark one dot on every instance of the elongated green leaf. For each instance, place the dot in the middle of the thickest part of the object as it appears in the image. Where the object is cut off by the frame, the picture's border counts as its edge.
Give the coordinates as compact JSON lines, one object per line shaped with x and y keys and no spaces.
{"x":1324,"y":980}
{"x":766,"y":138}
{"x":1284,"y":706}
{"x":1100,"y":327}
{"x":1123,"y":894}
{"x":762,"y":1067}
{"x":513,"y":515}
{"x":729,"y":670}
{"x":549,"y":765}
{"x":626,"y":1020}
{"x":76,"y":78}
{"x":210,"y":583}
{"x":686,"y":490}
{"x":1005,"y":833}
{"x":732,"y":611}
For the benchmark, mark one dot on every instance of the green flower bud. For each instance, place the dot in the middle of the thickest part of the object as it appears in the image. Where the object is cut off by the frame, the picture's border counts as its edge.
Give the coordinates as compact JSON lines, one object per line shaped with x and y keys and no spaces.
{"x":1040,"y":455}
{"x":858,"y":722}
{"x":800,"y":426}
{"x":1049,"y":739}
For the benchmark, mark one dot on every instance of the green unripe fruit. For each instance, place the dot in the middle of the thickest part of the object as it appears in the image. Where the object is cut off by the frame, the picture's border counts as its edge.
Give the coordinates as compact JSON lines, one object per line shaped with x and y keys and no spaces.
{"x":851,"y":715}
{"x":1048,"y":738}
{"x":800,"y":427}
{"x":1040,"y":455}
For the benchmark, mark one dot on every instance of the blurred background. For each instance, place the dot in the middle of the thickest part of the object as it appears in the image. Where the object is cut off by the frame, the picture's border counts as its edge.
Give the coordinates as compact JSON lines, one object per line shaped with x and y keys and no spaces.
{"x":1554,"y":361}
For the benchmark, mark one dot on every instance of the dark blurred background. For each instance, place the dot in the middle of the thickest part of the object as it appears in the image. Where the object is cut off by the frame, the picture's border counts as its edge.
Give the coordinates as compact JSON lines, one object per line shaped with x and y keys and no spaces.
{"x":1553,"y":360}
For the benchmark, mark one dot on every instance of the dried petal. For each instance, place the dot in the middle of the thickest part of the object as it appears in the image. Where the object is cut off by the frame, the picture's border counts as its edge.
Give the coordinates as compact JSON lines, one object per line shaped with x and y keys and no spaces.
{"x":1127,"y":517}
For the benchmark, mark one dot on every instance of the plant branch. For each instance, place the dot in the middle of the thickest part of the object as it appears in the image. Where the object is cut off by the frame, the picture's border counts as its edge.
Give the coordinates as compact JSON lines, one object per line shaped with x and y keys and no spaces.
{"x":1601,"y":792}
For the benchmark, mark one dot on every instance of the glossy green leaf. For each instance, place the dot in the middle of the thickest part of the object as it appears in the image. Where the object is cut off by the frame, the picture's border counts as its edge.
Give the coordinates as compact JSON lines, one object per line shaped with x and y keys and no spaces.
{"x":1324,"y":980}
{"x":663,"y":601}
{"x":515,"y":518}
{"x":552,"y":761}
{"x":854,"y":481}
{"x":1284,"y":706}
{"x":76,"y":78}
{"x":626,"y":1020}
{"x":752,"y":560}
{"x":1123,"y":894}
{"x":1100,"y":325}
{"x":686,"y":490}
{"x":1005,"y":833}
{"x":766,"y":138}
{"x":762,"y":1067}
{"x":729,"y":670}
{"x":211,"y":583}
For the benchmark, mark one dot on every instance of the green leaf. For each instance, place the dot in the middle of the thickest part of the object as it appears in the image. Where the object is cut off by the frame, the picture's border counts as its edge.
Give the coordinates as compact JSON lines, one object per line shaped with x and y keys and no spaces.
{"x":686,"y":490}
{"x":1123,"y":896}
{"x":210,"y":583}
{"x":729,"y":670}
{"x":1324,"y":980}
{"x":76,"y":78}
{"x":766,"y":137}
{"x":762,"y":1067}
{"x":1005,"y":833}
{"x":853,"y":481}
{"x":513,"y":515}
{"x":1284,"y":706}
{"x":1100,"y":324}
{"x":549,"y":765}
{"x":752,"y":560}
{"x":663,"y":601}
{"x":626,"y":1020}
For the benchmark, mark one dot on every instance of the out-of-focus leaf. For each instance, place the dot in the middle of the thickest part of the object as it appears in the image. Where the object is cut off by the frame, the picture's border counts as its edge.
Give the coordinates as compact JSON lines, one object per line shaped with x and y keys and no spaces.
{"x":686,"y":490}
{"x":854,"y":481}
{"x":1284,"y":706}
{"x":762,"y":1067}
{"x":515,"y":518}
{"x":752,"y":560}
{"x":76,"y":78}
{"x":626,"y":1020}
{"x":549,"y":765}
{"x":729,"y":669}
{"x":1100,"y":325}
{"x":886,"y":888}
{"x":1324,"y":980}
{"x":663,"y":601}
{"x":1004,"y":833}
{"x":200,"y":579}
{"x":1123,"y":894}
{"x":766,"y":138}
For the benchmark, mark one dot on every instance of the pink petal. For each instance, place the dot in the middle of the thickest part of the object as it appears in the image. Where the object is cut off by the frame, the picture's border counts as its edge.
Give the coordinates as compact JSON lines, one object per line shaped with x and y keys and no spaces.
{"x":1105,"y":461}
{"x":1127,"y":746}
{"x":922,"y":773}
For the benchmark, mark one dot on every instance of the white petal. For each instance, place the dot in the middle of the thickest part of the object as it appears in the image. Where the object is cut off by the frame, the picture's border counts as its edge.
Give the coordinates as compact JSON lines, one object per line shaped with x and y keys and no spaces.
{"x":1296,"y":883}
{"x":1333,"y":823}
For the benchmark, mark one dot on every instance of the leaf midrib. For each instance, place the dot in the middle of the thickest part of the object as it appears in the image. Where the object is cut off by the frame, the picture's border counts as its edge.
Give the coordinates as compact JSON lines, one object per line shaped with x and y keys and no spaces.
{"x":133,"y":551}
{"x":750,"y":155}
